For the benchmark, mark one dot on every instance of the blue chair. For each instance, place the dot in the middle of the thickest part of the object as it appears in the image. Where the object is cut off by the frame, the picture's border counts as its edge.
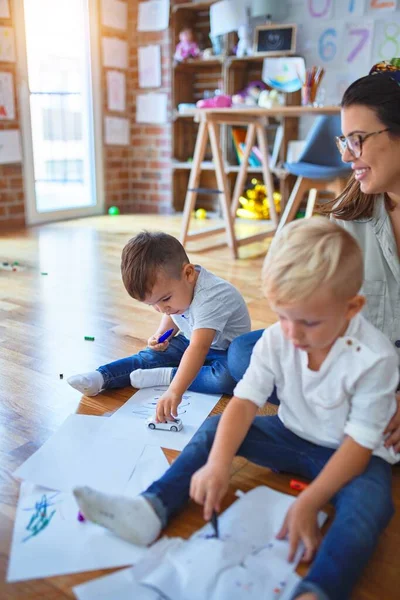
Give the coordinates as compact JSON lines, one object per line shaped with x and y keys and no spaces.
{"x":319,"y":167}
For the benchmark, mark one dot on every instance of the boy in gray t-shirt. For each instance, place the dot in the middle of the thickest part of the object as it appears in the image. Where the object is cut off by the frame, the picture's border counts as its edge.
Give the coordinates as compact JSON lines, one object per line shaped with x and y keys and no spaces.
{"x":202,"y":312}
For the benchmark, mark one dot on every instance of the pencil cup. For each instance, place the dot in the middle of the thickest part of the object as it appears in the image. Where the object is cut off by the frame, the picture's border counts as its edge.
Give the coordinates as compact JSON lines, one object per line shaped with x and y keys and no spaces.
{"x":306,"y":93}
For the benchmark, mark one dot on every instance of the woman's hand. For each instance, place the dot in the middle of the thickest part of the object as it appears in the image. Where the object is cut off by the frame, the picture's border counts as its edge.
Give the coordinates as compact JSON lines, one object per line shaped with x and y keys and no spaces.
{"x":393,"y":428}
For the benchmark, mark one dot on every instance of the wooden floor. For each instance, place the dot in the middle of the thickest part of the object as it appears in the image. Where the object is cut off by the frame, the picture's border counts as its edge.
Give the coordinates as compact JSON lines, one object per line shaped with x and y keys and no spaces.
{"x":43,"y":321}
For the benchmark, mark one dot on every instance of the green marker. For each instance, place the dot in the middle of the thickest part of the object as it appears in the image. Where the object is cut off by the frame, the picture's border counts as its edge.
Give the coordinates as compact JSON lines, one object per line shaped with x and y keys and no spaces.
{"x":89,"y":338}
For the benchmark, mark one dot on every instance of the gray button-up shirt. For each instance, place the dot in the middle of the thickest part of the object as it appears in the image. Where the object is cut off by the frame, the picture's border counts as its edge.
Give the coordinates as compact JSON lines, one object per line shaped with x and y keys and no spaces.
{"x":382,"y":270}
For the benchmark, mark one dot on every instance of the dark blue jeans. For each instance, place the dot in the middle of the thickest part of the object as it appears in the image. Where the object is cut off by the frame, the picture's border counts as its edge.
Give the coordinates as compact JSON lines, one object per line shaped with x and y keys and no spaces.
{"x":239,"y":354}
{"x":213,"y":377}
{"x":364,"y":506}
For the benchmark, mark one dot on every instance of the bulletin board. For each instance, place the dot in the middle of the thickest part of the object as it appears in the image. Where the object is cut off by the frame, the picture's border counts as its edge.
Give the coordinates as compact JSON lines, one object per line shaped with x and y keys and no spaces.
{"x":346,"y":37}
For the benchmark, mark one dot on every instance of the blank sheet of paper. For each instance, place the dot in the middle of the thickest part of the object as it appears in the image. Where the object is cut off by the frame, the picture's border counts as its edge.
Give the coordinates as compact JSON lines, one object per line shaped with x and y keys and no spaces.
{"x":85,"y":450}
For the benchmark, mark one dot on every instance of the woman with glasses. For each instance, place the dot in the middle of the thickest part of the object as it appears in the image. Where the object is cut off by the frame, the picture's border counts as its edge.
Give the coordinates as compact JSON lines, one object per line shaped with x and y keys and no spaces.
{"x":369,"y":207}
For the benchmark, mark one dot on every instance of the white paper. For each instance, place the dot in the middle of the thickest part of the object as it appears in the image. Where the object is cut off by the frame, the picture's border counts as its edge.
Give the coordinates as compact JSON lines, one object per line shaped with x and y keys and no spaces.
{"x":118,"y":586}
{"x":116,"y":91}
{"x":116,"y":131}
{"x":149,"y":65}
{"x":151,"y":108}
{"x":85,"y":450}
{"x":193,"y":410}
{"x":150,"y":466}
{"x":115,"y":53}
{"x":153,"y":15}
{"x":64,"y":545}
{"x":284,"y":74}
{"x":114,"y":14}
{"x":227,"y":16}
{"x":10,"y":146}
{"x":7,"y":44}
{"x":7,"y":106}
{"x":4,"y":9}
{"x":49,"y":552}
{"x":245,"y":561}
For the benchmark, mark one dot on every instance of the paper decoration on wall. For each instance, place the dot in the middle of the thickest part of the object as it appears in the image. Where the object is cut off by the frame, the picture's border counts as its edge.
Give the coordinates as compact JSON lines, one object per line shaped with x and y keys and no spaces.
{"x":357,"y":44}
{"x":386,"y":40}
{"x":116,"y":131}
{"x":114,"y":14}
{"x":10,"y":146}
{"x":377,"y":7}
{"x":7,"y":44}
{"x":153,"y":15}
{"x":4,"y":9}
{"x":284,"y":74}
{"x":116,"y":91}
{"x":151,"y":108}
{"x":115,"y":53}
{"x":7,"y":106}
{"x":149,"y":60}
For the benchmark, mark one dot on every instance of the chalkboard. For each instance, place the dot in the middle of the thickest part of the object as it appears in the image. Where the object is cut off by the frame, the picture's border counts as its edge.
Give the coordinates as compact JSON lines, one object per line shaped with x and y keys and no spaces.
{"x":275,"y":40}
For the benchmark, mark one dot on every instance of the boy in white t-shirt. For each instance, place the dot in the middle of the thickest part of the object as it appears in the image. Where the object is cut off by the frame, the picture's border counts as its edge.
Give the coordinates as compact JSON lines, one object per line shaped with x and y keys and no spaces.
{"x":336,"y":377}
{"x":202,"y":313}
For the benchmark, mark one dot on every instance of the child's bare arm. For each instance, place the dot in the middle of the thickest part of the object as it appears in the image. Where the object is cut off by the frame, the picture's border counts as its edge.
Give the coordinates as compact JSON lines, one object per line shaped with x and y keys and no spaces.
{"x":191,"y":363}
{"x":210,"y":483}
{"x":349,"y":461}
{"x":166,"y":323}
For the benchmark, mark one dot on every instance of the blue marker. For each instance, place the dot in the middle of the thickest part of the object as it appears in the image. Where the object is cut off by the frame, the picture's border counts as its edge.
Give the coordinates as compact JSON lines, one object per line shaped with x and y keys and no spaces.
{"x":165,"y":336}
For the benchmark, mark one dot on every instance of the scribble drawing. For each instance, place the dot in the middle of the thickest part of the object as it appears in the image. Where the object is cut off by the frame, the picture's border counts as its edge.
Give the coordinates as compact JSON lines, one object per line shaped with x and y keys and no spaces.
{"x":147,"y":409}
{"x":41,"y":517}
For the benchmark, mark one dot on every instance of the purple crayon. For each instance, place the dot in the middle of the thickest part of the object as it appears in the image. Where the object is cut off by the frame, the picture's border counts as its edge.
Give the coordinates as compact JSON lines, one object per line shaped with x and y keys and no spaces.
{"x":80,"y":517}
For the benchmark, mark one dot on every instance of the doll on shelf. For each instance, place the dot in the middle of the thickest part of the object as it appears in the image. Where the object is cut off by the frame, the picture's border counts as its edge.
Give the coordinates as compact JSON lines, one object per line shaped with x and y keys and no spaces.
{"x":187,"y":47}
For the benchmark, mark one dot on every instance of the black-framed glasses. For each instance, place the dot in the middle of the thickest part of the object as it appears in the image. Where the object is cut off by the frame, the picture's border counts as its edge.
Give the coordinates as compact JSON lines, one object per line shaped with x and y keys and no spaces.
{"x":354,"y":143}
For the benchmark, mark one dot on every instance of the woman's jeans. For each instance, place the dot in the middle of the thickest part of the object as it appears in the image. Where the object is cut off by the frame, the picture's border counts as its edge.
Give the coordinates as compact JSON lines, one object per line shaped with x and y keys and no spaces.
{"x":213,"y":377}
{"x":239,"y":354}
{"x":364,"y":506}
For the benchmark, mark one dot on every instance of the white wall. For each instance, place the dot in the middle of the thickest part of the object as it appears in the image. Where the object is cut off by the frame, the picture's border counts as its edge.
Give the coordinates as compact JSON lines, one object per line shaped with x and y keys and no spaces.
{"x":346,"y":37}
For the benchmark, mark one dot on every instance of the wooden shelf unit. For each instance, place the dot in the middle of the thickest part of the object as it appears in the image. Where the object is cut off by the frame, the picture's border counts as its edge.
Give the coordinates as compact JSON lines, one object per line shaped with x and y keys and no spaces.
{"x":190,"y":81}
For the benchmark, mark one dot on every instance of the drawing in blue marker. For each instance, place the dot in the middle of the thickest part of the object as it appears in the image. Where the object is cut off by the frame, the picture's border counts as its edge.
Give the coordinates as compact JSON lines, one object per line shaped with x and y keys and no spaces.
{"x":165,"y":336}
{"x":40,"y":519}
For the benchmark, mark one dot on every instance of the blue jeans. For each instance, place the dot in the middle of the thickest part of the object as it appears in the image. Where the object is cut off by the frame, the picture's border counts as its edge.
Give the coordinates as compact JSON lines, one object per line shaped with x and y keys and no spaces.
{"x":364,"y":506}
{"x":239,"y":354}
{"x":213,"y":377}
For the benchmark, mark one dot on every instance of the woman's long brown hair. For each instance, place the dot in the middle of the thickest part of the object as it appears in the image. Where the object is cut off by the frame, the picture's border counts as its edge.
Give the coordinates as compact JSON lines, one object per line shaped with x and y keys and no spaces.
{"x":381,"y":94}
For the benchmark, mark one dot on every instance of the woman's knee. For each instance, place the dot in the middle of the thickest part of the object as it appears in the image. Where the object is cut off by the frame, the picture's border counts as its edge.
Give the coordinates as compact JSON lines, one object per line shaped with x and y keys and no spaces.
{"x":239,"y":353}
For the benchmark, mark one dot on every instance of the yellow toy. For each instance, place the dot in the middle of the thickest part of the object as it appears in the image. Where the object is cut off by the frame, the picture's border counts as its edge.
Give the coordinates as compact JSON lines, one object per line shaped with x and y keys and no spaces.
{"x":255,"y":204}
{"x":201,"y":213}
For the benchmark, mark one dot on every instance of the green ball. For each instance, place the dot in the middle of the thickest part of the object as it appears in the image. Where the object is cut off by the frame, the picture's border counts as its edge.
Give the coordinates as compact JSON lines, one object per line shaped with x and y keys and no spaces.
{"x":113,"y":210}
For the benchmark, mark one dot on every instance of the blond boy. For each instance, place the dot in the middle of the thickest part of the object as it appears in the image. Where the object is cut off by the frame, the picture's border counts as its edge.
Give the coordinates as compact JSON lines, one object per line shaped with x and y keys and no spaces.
{"x":336,"y":377}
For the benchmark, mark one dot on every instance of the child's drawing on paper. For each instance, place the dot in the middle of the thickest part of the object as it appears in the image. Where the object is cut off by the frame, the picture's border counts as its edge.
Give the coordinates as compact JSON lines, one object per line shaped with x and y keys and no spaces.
{"x":147,"y":409}
{"x":41,"y":516}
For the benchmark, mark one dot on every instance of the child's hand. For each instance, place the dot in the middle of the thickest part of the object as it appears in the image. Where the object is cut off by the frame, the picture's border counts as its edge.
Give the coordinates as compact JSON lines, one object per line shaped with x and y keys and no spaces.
{"x":301,"y":524}
{"x":208,"y":486}
{"x":152,"y":343}
{"x":167,"y":406}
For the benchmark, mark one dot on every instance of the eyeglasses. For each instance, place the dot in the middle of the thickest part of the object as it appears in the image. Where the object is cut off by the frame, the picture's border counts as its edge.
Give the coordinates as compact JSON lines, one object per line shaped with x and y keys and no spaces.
{"x":354,"y":143}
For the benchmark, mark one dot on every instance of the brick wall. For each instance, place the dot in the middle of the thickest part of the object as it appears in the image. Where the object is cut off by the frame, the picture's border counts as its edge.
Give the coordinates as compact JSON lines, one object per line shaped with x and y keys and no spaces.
{"x":11,"y":180}
{"x":150,"y":177}
{"x":137,"y":178}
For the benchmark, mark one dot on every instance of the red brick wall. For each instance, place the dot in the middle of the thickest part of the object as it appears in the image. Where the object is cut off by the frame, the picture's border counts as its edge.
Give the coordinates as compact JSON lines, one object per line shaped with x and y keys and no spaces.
{"x":137,"y":178}
{"x":150,"y":177}
{"x":11,"y":181}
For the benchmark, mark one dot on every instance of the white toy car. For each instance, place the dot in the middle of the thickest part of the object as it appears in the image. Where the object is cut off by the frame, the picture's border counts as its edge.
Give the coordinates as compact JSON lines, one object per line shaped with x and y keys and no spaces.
{"x":175,"y":425}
